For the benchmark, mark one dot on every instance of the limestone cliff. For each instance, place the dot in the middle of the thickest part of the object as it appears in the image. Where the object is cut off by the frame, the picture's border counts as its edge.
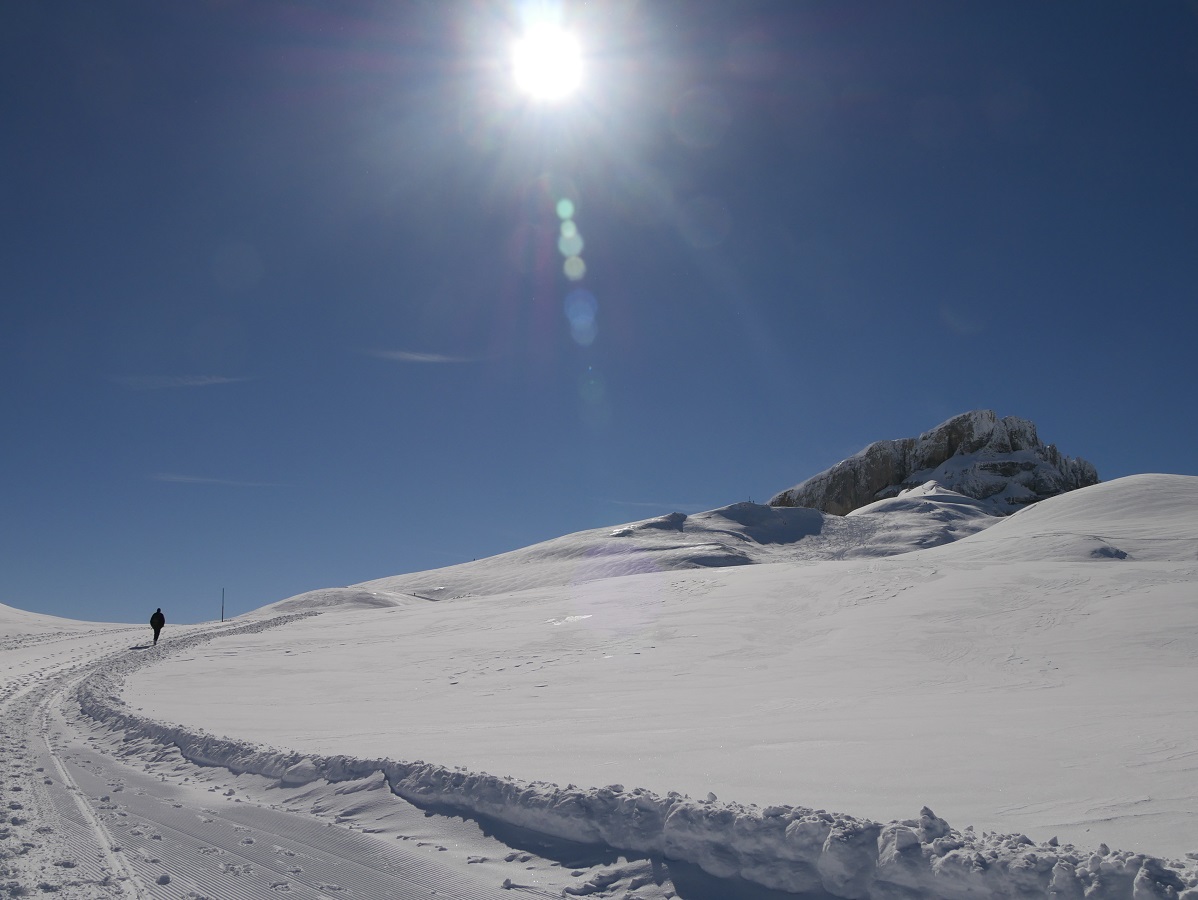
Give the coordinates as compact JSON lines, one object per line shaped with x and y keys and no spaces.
{"x":1000,"y":461}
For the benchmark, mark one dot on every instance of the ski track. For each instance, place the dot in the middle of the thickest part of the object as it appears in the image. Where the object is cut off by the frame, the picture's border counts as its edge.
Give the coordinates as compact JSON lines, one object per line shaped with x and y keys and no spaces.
{"x":83,"y":823}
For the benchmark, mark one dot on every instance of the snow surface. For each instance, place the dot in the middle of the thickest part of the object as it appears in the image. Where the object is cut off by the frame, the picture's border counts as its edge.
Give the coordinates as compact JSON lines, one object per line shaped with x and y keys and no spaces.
{"x":1036,"y":677}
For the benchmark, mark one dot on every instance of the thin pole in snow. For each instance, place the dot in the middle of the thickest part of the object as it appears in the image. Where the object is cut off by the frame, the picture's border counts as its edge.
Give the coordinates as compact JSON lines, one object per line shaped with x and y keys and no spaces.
{"x":222,"y":604}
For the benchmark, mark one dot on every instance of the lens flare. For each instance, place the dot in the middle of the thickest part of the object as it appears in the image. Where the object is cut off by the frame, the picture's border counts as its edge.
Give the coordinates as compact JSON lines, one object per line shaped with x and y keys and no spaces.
{"x":581,"y":308}
{"x":571,"y":245}
{"x":575,"y":268}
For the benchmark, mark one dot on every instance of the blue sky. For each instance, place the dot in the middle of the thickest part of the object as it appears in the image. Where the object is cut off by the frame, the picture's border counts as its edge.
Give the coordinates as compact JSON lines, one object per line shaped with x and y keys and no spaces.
{"x":284,"y":306}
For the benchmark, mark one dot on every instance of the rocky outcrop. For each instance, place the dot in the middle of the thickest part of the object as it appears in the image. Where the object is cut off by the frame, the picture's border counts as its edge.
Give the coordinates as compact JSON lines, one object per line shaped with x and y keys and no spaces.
{"x":1000,"y":461}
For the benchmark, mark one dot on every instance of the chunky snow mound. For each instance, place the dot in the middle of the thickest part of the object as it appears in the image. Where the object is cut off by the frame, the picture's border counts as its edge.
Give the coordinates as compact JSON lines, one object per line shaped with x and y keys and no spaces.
{"x":736,"y":535}
{"x":1000,"y":461}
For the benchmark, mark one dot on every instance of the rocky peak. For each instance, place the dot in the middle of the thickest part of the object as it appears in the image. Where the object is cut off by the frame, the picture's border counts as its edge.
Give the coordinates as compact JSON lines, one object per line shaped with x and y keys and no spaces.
{"x":1000,"y":461}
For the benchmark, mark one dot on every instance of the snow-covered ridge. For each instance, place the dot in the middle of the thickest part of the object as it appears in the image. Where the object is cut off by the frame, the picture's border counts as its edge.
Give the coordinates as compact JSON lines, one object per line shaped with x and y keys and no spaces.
{"x":1002,"y":462}
{"x":788,"y":848}
{"x":735,"y":535}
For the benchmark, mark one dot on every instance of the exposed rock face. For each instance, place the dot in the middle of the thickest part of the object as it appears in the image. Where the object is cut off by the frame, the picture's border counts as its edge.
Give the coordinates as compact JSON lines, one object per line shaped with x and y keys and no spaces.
{"x":1000,"y":461}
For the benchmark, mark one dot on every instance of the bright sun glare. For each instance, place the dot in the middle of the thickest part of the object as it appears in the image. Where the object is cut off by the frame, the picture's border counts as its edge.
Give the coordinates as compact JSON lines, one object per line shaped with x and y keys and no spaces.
{"x":547,"y":62}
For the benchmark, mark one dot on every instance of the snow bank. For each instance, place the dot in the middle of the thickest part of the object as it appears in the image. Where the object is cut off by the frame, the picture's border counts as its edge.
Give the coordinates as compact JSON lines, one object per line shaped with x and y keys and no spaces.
{"x":789,"y":848}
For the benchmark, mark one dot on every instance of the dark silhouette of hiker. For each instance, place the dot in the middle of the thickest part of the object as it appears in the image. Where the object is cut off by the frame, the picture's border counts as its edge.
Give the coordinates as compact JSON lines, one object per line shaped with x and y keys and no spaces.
{"x":156,"y":622}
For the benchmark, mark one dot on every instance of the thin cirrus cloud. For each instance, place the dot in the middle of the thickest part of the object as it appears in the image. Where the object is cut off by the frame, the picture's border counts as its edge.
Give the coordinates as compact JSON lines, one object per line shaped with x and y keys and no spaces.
{"x":166,"y":382}
{"x":410,"y":356}
{"x":224,"y":482}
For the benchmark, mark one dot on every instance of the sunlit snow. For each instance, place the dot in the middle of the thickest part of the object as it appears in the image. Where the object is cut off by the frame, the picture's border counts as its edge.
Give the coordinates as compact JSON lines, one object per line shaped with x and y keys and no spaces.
{"x":1031,"y":676}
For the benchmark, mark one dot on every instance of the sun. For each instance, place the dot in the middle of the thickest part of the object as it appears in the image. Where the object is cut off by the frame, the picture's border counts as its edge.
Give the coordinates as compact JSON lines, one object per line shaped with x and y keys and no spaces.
{"x":547,"y":62}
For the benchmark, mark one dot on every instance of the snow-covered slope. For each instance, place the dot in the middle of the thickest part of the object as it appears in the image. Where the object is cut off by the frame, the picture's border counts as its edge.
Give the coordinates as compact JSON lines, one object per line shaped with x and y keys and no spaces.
{"x":1140,"y":517}
{"x":1014,"y":684}
{"x":1033,"y":678}
{"x":736,"y":535}
{"x":18,"y":621}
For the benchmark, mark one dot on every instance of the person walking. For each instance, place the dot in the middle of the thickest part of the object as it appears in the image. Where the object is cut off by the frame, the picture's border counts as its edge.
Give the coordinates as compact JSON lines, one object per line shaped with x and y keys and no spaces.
{"x":156,"y":622}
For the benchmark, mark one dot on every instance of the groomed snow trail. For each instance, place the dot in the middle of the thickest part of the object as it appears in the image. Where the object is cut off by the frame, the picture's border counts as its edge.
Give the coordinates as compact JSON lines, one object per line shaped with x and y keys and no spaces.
{"x":80,"y":822}
{"x":51,"y":840}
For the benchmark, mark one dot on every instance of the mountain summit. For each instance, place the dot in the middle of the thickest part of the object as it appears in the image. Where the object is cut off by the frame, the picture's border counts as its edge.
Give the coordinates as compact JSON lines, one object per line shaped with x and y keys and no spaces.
{"x":1001,"y":462}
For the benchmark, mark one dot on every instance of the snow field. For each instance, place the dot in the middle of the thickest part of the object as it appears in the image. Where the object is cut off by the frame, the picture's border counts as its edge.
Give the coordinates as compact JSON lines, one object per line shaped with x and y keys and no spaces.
{"x":1036,"y":698}
{"x":1036,"y":678}
{"x":793,"y":849}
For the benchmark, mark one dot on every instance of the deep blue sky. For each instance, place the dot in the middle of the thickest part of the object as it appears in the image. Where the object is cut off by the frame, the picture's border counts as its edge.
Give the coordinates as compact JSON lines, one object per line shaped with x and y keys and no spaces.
{"x":282,"y":306}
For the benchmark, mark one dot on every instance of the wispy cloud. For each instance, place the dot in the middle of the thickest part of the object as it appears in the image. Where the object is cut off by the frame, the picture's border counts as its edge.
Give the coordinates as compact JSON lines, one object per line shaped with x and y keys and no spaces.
{"x":225,"y":482}
{"x":164,"y":382}
{"x":413,"y":357}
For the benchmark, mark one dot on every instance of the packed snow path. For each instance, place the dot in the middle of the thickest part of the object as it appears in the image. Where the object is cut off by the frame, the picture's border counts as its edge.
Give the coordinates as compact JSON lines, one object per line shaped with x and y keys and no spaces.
{"x":82,"y":822}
